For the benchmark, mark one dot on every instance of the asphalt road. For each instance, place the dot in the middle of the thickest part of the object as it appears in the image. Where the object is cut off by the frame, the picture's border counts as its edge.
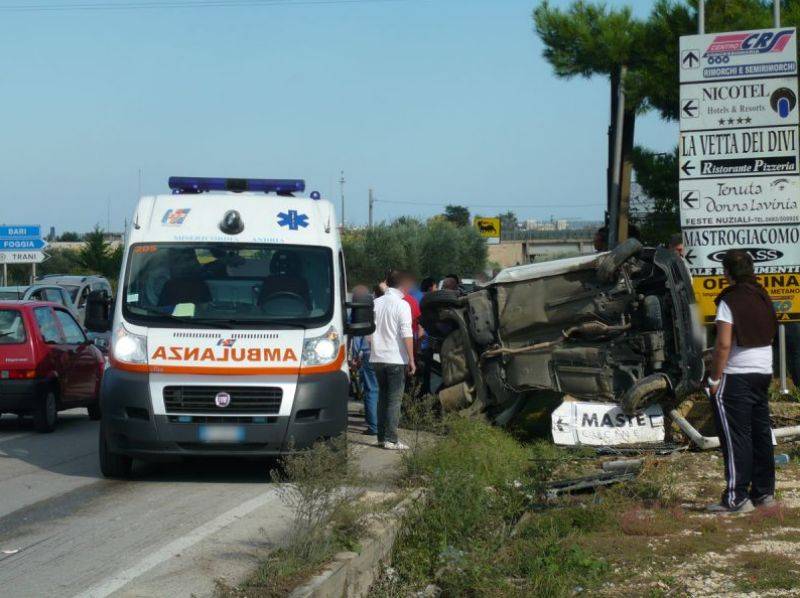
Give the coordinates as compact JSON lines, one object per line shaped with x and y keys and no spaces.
{"x":171,"y":531}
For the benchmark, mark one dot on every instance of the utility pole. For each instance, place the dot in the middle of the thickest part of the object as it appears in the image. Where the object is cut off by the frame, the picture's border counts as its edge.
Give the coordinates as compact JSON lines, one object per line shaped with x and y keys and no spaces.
{"x":776,"y":13}
{"x":701,"y":17}
{"x":617,"y":230}
{"x":371,"y":203}
{"x":341,"y":191}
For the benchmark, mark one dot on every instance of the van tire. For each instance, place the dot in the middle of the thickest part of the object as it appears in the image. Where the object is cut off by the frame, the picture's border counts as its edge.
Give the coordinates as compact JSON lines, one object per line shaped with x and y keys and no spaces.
{"x":609,"y":264}
{"x":113,"y":465}
{"x":439,"y":299}
{"x":645,"y":392}
{"x":93,"y":411}
{"x":45,"y":416}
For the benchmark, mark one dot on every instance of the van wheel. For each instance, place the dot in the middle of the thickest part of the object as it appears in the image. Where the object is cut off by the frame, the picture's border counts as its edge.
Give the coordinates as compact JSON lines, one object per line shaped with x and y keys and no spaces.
{"x":609,"y":264}
{"x":93,"y":411}
{"x":46,"y":414}
{"x":113,"y":465}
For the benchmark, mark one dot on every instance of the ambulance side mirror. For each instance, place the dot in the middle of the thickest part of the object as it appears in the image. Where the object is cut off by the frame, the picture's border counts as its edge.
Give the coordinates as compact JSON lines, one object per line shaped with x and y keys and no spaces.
{"x":98,"y":312}
{"x":362,"y":317}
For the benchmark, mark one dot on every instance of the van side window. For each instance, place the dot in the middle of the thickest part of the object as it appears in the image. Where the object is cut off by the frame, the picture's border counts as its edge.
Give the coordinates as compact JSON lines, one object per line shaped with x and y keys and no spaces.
{"x":47,"y":325}
{"x":72,"y":330}
{"x":53,"y":295}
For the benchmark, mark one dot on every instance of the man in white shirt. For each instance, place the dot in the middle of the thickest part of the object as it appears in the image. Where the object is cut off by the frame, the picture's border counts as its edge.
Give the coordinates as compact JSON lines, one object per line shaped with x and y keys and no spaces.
{"x":738,"y":383}
{"x":392,"y":353}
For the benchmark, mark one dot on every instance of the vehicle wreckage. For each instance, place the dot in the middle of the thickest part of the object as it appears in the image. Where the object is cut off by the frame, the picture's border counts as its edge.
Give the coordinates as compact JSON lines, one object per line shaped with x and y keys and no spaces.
{"x":614,"y":334}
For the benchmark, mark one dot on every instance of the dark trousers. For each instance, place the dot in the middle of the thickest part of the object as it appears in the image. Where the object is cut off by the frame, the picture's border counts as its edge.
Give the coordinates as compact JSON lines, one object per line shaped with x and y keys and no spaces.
{"x":391,"y":384}
{"x":741,"y":411}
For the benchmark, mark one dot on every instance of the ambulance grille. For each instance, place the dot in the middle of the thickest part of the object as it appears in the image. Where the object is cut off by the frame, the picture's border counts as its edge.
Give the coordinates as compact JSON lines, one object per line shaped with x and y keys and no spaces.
{"x":244,"y":399}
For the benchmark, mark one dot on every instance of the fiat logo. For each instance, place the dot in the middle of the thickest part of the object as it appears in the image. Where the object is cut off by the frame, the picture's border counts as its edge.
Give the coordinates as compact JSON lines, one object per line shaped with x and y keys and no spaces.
{"x":223,"y":399}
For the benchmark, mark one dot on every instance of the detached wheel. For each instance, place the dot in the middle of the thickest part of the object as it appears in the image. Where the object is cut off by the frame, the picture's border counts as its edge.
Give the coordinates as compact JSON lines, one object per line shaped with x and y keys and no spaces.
{"x":113,"y":465}
{"x":94,"y":412}
{"x":45,"y":416}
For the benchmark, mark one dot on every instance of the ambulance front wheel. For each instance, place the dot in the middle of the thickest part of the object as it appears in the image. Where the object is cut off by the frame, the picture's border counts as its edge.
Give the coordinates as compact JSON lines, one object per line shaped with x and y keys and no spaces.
{"x":113,"y":465}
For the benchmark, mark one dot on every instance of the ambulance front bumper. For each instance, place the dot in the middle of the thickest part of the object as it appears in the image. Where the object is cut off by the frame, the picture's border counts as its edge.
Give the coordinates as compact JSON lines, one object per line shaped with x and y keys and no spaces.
{"x":319,"y":411}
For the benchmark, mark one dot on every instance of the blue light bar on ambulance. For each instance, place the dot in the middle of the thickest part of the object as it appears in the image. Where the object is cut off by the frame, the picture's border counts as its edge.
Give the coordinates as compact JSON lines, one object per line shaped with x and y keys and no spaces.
{"x":186,"y":185}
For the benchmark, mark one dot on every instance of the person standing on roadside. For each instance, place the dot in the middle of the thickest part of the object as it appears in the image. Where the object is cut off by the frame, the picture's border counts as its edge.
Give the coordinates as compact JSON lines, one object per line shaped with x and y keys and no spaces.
{"x":392,"y":354}
{"x":360,"y":356}
{"x":428,"y":285}
{"x":738,"y":385}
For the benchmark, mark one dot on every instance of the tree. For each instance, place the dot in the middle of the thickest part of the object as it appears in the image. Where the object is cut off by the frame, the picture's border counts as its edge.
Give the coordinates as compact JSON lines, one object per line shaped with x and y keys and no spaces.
{"x":458,"y":215}
{"x":69,"y":237}
{"x":589,"y":39}
{"x":508,"y":221}
{"x":435,"y":248}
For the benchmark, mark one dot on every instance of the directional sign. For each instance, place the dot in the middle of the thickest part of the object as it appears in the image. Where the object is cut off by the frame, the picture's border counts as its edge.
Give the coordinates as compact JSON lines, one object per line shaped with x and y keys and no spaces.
{"x":739,"y":55}
{"x":22,"y":257}
{"x":739,"y":161}
{"x":24,"y":244}
{"x":16,"y":232}
{"x":739,"y":104}
{"x":740,"y":201}
{"x":740,"y":152}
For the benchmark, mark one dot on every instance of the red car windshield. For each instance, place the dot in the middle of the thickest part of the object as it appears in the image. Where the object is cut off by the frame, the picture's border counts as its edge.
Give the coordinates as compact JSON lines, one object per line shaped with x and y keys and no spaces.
{"x":12,"y":327}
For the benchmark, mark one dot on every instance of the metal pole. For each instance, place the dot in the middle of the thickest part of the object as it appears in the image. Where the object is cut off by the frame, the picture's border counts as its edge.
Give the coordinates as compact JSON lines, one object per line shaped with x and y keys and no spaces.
{"x":776,"y":12}
{"x":616,"y":174}
{"x":33,"y":272}
{"x":371,"y":202}
{"x":701,"y":17}
{"x":782,"y":357}
{"x":5,"y":274}
{"x":341,"y":189}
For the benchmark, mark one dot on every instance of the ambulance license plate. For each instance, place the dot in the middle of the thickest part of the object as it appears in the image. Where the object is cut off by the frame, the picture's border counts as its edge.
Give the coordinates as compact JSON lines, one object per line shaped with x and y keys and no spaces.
{"x":221,"y":434}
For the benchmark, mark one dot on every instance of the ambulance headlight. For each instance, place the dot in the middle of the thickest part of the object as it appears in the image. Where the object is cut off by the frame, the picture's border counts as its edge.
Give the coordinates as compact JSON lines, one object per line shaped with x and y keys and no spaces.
{"x":323,"y":349}
{"x":128,"y":347}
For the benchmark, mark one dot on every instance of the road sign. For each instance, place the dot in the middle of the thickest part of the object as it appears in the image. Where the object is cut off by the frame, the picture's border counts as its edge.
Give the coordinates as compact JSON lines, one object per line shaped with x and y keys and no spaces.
{"x":739,"y":160}
{"x":489,"y":228}
{"x":22,"y":257}
{"x":22,"y":244}
{"x":739,"y":55}
{"x":741,"y":152}
{"x":17,"y":232}
{"x":743,"y":201}
{"x":721,"y":105}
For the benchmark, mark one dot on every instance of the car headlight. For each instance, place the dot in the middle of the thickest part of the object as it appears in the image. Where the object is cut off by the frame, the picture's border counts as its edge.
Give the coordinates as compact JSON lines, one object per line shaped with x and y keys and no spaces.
{"x":128,"y":347}
{"x":323,"y":349}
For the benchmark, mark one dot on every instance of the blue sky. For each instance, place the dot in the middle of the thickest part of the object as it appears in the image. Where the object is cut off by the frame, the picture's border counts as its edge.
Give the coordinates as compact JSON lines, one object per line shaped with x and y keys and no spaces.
{"x":427,"y":101}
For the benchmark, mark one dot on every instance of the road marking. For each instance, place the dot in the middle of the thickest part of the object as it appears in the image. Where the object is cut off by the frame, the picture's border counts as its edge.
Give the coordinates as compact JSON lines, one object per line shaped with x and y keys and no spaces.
{"x":15,"y":436}
{"x":118,"y":580}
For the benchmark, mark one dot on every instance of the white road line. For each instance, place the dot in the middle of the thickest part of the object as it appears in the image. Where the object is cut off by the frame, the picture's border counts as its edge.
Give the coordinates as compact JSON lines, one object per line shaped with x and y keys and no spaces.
{"x":118,"y":580}
{"x":15,"y":436}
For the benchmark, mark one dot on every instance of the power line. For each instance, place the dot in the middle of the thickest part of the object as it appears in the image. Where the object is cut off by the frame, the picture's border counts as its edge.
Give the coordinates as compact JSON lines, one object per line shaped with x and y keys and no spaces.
{"x":153,"y":5}
{"x":501,"y":207}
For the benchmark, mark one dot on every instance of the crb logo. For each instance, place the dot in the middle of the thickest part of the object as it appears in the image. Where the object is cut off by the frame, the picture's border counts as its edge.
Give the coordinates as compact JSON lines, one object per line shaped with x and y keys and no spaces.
{"x":728,"y":44}
{"x":759,"y":254}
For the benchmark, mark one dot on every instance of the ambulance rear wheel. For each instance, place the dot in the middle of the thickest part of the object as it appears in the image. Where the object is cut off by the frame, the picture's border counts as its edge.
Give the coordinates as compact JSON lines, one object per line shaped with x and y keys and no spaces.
{"x":113,"y":465}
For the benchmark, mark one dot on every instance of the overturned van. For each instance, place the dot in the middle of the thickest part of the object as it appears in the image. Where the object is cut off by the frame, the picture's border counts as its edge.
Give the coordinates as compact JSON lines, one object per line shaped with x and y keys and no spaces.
{"x":617,"y":328}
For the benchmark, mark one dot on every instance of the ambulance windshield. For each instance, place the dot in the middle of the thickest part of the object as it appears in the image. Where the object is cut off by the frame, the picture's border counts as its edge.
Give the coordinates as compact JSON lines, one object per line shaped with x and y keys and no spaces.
{"x":228,"y":285}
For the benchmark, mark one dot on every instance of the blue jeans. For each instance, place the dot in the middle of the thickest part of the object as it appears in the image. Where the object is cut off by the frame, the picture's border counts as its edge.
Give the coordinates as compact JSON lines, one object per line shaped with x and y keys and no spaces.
{"x":391,"y":384}
{"x":370,"y":384}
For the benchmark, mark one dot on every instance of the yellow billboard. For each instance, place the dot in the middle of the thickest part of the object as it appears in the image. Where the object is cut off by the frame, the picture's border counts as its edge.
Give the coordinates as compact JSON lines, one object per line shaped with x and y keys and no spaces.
{"x":783,"y":288}
{"x":489,"y":228}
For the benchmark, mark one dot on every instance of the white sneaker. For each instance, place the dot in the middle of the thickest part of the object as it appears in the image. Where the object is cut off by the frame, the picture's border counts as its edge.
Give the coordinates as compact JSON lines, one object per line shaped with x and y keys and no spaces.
{"x":395,"y":446}
{"x":746,"y":506}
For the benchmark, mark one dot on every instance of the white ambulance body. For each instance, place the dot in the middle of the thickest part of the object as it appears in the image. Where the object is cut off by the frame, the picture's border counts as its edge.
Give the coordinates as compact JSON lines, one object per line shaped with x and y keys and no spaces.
{"x":228,"y":331}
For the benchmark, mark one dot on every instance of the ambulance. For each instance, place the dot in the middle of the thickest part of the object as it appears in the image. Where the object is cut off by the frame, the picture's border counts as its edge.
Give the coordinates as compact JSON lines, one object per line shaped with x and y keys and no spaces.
{"x":229,"y":327}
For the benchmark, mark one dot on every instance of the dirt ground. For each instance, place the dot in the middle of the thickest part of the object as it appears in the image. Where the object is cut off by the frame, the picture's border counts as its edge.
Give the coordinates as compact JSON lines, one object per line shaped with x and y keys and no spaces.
{"x":681,"y":550}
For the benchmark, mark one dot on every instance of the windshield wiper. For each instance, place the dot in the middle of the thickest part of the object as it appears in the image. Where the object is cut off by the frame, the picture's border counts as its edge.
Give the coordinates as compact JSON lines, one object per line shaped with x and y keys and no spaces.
{"x":211,"y":322}
{"x":289,"y":323}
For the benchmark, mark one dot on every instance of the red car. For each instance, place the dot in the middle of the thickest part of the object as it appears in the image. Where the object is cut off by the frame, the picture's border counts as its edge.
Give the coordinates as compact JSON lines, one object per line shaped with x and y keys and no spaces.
{"x":47,"y":363}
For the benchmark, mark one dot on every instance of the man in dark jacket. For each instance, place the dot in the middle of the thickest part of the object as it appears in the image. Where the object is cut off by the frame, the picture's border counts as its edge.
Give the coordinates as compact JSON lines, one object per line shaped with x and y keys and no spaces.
{"x":738,"y":384}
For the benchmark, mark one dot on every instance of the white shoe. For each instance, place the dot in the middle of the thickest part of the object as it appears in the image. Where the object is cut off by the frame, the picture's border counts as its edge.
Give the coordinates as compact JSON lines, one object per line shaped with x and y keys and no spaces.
{"x":395,"y":446}
{"x":746,"y":506}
